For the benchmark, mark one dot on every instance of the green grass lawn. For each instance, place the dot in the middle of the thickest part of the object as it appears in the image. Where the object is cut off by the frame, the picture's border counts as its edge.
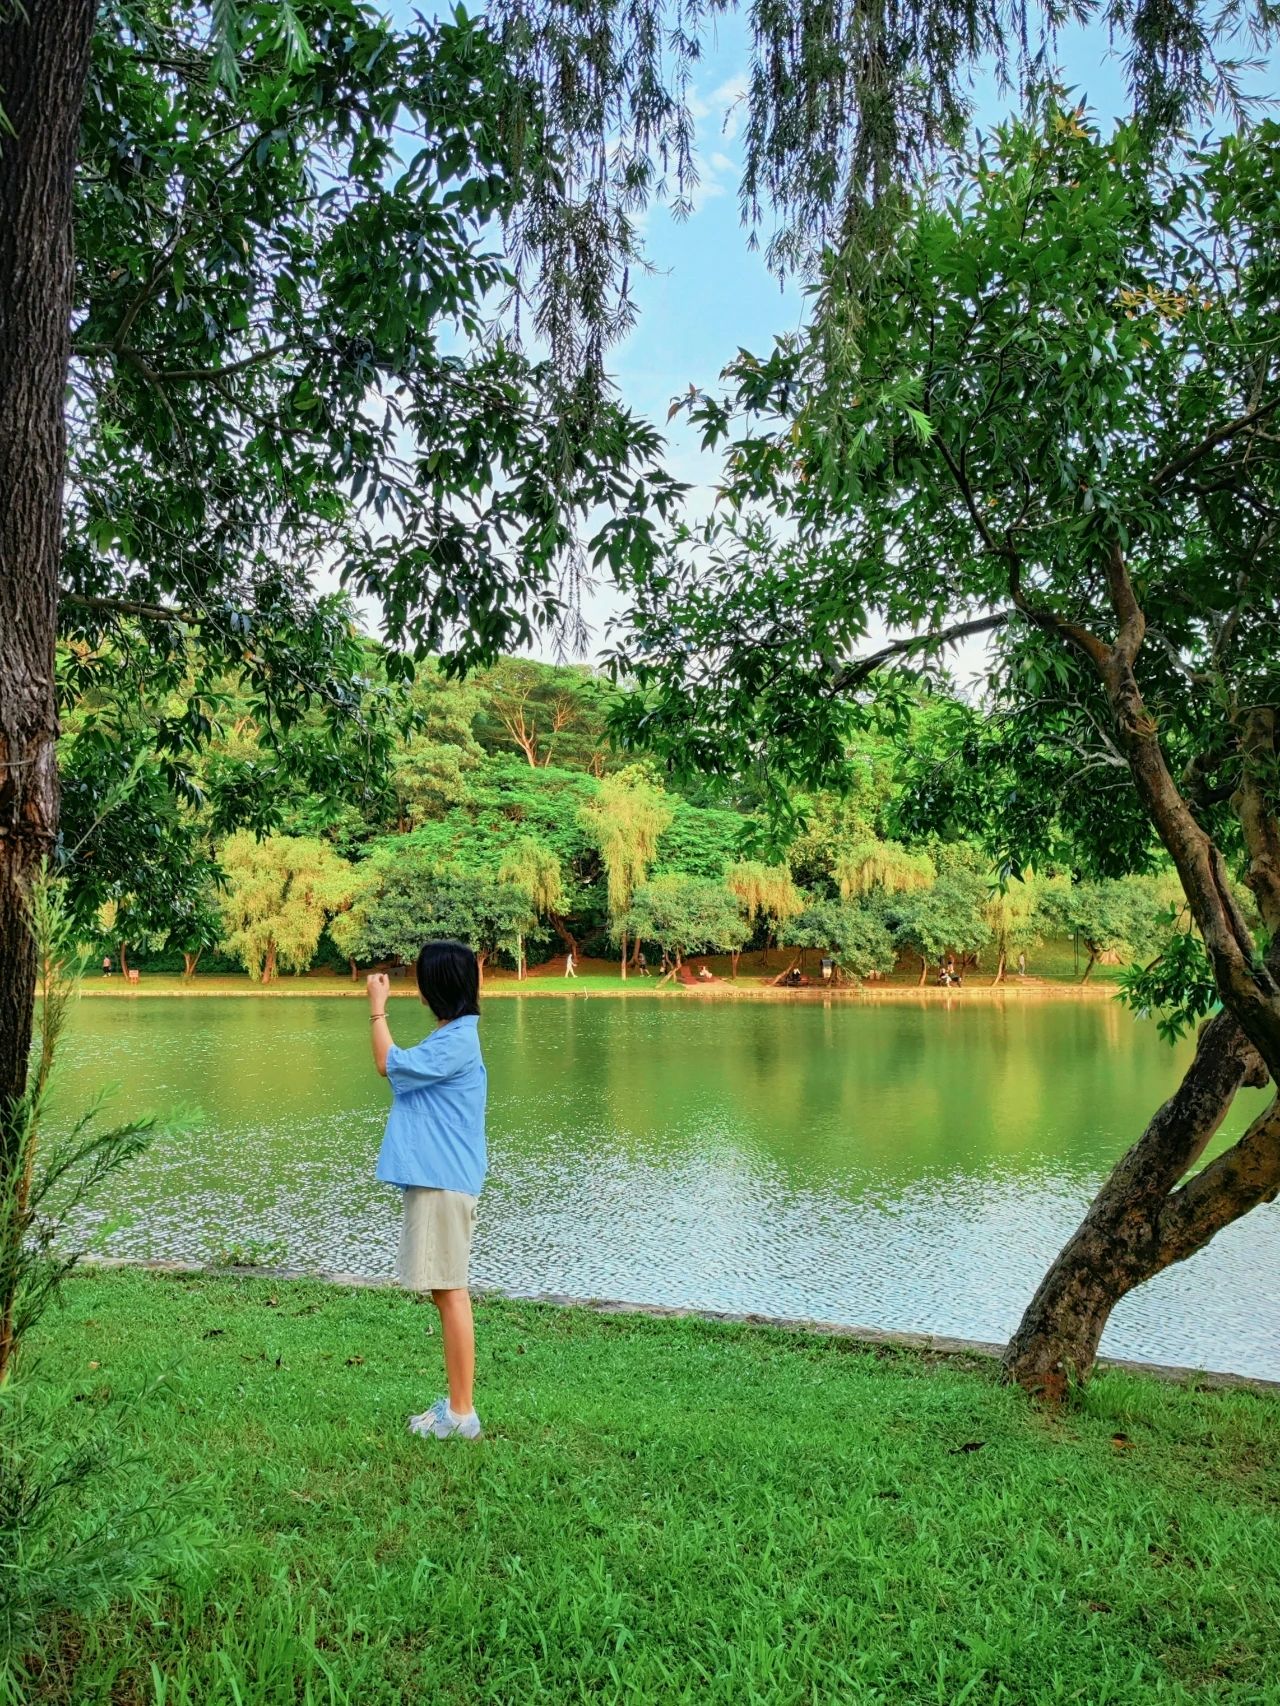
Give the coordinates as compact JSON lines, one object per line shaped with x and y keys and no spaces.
{"x":661,"y":1511}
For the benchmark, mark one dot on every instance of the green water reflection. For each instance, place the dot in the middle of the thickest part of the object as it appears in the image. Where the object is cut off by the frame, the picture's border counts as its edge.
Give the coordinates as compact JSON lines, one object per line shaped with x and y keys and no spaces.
{"x":896,"y":1165}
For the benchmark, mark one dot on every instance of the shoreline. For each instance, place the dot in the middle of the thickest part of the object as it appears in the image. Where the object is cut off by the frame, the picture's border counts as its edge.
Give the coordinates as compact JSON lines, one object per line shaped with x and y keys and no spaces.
{"x":938,"y":1345}
{"x":288,"y":989}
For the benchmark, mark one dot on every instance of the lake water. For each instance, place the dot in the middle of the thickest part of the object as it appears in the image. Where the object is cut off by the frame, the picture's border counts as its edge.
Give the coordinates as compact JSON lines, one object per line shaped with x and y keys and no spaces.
{"x":888,"y":1165}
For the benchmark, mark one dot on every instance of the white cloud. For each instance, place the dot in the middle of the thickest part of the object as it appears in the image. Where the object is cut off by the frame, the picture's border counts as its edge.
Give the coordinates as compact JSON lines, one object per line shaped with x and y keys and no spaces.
{"x":722,"y":110}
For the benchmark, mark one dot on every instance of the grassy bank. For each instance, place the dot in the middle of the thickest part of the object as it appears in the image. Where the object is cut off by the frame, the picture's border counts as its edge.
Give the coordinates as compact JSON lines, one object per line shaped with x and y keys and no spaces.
{"x":662,"y":1511}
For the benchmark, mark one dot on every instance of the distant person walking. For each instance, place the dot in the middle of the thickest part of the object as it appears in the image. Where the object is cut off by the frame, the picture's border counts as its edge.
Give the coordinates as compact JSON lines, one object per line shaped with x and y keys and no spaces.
{"x":642,"y":964}
{"x":106,"y":965}
{"x":1022,"y":964}
{"x":570,"y":964}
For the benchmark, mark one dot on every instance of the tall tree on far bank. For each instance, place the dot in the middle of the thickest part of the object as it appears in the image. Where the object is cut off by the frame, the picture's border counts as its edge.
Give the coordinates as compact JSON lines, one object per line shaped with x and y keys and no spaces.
{"x":853,"y":935}
{"x":766,"y":893}
{"x":412,"y":897}
{"x":536,"y":871}
{"x":280,"y":893}
{"x":683,"y":915}
{"x":625,"y":821}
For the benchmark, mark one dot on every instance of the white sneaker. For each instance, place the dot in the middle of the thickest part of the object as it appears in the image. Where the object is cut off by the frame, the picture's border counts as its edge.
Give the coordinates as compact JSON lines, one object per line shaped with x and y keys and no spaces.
{"x":440,"y":1422}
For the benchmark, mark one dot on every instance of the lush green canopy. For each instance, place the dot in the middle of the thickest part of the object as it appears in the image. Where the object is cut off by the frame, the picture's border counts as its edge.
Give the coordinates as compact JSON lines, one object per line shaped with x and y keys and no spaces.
{"x":1046,"y":414}
{"x":288,"y":246}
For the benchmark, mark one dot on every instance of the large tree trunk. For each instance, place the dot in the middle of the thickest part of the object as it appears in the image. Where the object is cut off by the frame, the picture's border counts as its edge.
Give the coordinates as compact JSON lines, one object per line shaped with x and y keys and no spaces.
{"x":44,"y":58}
{"x":1089,"y":964}
{"x":1138,"y":1224}
{"x":1000,"y":967}
{"x":566,"y":935}
{"x":122,"y":954}
{"x":190,"y":962}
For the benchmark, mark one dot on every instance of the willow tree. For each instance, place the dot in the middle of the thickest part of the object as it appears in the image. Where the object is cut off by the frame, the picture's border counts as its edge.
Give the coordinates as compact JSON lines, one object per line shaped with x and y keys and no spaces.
{"x":536,"y":871}
{"x":765,"y":892}
{"x":624,"y":822}
{"x":845,"y":103}
{"x":280,"y":893}
{"x":886,"y":866}
{"x":1013,"y":916}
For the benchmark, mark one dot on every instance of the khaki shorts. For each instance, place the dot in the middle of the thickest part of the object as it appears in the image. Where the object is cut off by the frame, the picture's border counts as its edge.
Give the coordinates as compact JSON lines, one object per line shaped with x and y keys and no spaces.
{"x":435,"y":1239}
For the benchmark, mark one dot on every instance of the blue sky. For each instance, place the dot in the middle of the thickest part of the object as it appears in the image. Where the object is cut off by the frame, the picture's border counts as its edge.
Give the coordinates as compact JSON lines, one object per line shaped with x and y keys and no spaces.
{"x":710,"y":294}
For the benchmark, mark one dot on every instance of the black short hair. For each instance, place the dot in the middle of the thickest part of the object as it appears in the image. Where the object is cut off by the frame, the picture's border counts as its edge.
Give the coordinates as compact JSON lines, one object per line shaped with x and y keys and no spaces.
{"x":449,"y":979}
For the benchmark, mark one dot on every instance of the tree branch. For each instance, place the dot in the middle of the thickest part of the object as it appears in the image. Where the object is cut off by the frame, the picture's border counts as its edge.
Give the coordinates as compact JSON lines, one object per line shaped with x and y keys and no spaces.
{"x":176,"y":375}
{"x":853,"y":674}
{"x":1219,"y":435}
{"x":1049,"y":622}
{"x":1243,"y":1176}
{"x":1256,"y":812}
{"x":125,"y":607}
{"x":1133,"y":624}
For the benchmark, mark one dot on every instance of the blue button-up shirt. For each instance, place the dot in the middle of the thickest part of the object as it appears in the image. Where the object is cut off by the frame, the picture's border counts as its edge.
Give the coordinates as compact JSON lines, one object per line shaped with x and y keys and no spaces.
{"x":435,"y":1130}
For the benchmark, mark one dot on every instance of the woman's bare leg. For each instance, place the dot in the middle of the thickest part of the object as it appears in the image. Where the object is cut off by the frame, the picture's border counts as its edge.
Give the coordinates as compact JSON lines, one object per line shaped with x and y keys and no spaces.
{"x":459,"y":1334}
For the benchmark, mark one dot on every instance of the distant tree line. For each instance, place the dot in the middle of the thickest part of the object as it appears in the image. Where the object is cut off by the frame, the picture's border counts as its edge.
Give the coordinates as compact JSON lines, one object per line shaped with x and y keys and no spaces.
{"x":505,"y":818}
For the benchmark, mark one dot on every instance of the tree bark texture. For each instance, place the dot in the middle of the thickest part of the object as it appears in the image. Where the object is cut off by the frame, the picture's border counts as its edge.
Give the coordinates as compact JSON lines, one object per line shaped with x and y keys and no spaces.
{"x":44,"y":59}
{"x":1138,"y":1224}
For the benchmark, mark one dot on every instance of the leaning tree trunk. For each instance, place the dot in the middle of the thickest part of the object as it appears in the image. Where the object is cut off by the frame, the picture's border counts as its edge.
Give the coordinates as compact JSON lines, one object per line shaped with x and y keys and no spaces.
{"x":190,"y":961}
{"x":1000,"y":968}
{"x":786,"y":971}
{"x":123,"y":956}
{"x":44,"y":59}
{"x":566,"y":935}
{"x":1138,"y":1224}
